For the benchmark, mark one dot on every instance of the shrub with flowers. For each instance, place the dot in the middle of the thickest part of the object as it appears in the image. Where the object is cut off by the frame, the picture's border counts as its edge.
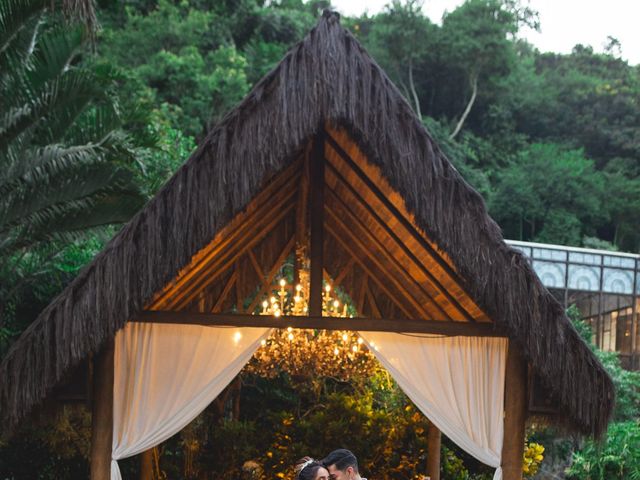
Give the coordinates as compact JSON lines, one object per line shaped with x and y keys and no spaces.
{"x":532,"y":458}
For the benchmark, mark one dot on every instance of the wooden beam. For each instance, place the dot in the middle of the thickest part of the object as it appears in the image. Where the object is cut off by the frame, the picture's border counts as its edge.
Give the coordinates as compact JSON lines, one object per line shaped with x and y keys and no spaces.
{"x":102,"y":413}
{"x":403,"y":255}
{"x":362,"y":294}
{"x":256,"y":219}
{"x":256,"y":265}
{"x":316,"y":201}
{"x":227,"y":259}
{"x":347,"y":240}
{"x":433,"y":327}
{"x":302,"y":210}
{"x":146,"y":465}
{"x":343,"y":273}
{"x":372,"y":303}
{"x":225,"y":291}
{"x":434,"y":442}
{"x":515,"y":414}
{"x":268,"y":281}
{"x":373,"y":248}
{"x":392,"y":202}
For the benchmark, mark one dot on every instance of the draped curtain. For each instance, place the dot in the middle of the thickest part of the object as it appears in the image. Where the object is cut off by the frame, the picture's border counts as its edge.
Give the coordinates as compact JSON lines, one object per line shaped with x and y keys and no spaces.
{"x":457,"y":382}
{"x":165,"y":375}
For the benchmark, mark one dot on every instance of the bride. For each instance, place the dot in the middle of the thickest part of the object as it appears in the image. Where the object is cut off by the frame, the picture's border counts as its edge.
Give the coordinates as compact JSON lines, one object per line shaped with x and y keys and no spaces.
{"x":309,"y":469}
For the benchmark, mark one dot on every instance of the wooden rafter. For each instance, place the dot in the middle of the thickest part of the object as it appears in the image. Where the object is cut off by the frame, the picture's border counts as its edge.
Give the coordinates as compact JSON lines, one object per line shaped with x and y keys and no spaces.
{"x":284,"y":183}
{"x":239,"y":284}
{"x":399,"y":254}
{"x":372,"y":302}
{"x":268,"y":279}
{"x":225,"y":292}
{"x":362,"y":294}
{"x":227,"y":258}
{"x":412,"y":309}
{"x":371,"y":258}
{"x":344,"y":271}
{"x":371,"y":246}
{"x":433,"y":327}
{"x":388,"y":206}
{"x":255,"y":264}
{"x":316,"y":209}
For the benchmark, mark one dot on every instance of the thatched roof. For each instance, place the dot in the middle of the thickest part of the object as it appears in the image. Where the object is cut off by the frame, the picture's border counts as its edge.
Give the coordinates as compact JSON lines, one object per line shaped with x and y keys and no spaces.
{"x":327,"y":79}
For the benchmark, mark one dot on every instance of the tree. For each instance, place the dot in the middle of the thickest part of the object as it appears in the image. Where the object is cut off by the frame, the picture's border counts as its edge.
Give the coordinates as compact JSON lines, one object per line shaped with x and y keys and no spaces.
{"x":549,"y":194}
{"x":476,"y":40}
{"x":67,"y":165}
{"x":623,"y":202}
{"x":400,"y":38}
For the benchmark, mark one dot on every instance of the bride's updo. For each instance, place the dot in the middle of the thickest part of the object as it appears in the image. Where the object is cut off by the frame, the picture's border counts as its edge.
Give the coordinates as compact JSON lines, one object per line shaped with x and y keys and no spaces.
{"x":306,"y":468}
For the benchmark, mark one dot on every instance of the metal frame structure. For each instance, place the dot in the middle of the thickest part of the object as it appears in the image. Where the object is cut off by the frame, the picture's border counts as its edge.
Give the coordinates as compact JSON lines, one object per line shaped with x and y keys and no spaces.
{"x":606,"y":280}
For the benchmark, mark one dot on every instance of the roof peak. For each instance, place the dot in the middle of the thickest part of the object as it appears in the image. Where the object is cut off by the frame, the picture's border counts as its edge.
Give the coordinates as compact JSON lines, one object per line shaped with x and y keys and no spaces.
{"x":330,"y":15}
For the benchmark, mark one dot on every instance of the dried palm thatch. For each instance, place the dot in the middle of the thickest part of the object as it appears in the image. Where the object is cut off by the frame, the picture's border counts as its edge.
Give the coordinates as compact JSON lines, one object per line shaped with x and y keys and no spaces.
{"x":326,"y":78}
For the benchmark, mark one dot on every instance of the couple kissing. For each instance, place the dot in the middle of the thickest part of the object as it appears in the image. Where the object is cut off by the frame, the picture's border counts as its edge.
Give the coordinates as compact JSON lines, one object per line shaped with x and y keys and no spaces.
{"x":340,"y":464}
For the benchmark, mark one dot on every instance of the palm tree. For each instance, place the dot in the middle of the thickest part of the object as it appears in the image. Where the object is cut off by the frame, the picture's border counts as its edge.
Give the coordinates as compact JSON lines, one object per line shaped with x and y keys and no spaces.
{"x":67,"y":165}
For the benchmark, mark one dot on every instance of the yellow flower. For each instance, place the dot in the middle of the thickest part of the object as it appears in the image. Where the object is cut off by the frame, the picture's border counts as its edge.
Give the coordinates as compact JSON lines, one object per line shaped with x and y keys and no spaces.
{"x":269,"y":454}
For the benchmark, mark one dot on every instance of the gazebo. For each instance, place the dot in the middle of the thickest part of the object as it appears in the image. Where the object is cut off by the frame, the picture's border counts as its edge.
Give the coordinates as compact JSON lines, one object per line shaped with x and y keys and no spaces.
{"x":325,"y":157}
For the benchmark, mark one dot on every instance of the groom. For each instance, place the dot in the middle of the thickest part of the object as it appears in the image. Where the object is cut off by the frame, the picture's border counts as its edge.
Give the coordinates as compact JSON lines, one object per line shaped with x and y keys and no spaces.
{"x":342,"y":465}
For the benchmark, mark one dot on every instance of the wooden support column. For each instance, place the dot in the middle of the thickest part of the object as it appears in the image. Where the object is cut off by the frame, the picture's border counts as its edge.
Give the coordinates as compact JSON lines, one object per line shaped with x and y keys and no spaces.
{"x":146,"y":465}
{"x":102,"y":413}
{"x":316,"y":200}
{"x":515,"y":414}
{"x":434,"y":438}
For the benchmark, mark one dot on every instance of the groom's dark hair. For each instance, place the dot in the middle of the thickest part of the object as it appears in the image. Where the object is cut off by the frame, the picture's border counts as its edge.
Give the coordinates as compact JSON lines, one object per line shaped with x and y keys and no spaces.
{"x":342,"y":459}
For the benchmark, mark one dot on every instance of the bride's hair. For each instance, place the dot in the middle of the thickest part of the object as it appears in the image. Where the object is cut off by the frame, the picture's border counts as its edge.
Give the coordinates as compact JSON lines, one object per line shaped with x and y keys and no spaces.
{"x":306,"y":468}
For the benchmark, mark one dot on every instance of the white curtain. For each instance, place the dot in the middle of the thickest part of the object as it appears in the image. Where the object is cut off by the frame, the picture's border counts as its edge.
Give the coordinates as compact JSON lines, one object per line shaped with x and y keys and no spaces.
{"x":457,"y":382}
{"x":165,"y":375}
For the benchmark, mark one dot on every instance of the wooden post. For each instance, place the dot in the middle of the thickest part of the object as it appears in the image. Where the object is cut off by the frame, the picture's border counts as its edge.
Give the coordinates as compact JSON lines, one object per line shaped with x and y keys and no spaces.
{"x":102,"y":413}
{"x":515,"y":414}
{"x":434,"y":438}
{"x":316,"y":200}
{"x":146,"y":465}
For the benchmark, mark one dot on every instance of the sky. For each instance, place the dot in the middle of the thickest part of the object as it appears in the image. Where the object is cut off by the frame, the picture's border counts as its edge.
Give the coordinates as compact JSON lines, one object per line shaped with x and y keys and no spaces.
{"x":564,"y":23}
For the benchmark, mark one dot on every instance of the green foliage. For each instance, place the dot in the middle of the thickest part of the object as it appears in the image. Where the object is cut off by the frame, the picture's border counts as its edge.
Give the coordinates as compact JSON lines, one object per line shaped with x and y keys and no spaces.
{"x":204,"y":87}
{"x":452,"y":466}
{"x":618,"y":457}
{"x":465,"y":154}
{"x":627,"y":383}
{"x":55,"y":449}
{"x":542,"y":195}
{"x":68,"y":162}
{"x":401,"y":38}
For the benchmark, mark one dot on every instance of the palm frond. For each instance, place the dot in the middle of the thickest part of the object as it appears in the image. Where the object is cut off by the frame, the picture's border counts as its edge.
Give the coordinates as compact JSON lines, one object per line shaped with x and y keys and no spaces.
{"x":113,"y":204}
{"x":15,"y":15}
{"x":60,"y":100}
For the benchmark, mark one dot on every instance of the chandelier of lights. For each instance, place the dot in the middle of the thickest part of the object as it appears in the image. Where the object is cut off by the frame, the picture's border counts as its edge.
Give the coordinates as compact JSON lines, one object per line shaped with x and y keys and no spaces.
{"x":336,"y":353}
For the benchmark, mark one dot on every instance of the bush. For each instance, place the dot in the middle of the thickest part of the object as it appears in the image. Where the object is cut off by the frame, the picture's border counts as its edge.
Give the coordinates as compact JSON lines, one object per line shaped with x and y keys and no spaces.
{"x":618,"y":457}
